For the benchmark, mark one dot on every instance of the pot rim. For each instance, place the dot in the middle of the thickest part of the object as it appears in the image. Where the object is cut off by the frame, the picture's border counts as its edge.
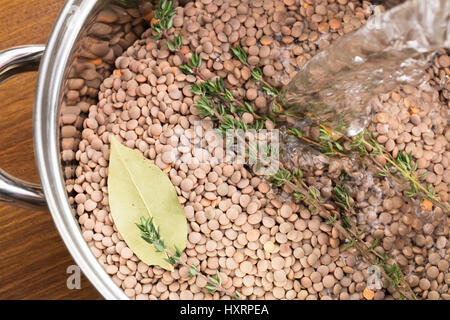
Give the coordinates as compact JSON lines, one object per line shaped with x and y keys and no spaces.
{"x":66,"y":30}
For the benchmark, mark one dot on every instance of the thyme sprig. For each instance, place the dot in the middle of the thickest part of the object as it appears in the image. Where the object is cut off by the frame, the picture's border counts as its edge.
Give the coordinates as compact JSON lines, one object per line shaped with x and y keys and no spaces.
{"x":150,"y":233}
{"x":217,"y":101}
{"x":365,"y":145}
{"x":282,"y":176}
{"x":402,"y":165}
{"x":395,"y":273}
{"x":330,"y":145}
{"x":193,"y":64}
{"x":342,"y":197}
{"x":297,"y":132}
{"x":164,"y":13}
{"x":391,"y":271}
{"x":332,"y":219}
{"x":175,"y":44}
{"x":216,"y":89}
{"x":309,"y":195}
{"x":256,"y":72}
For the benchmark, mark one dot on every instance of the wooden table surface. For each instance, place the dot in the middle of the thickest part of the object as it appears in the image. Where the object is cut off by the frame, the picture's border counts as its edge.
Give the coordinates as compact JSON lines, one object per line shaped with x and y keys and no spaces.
{"x":33,"y":258}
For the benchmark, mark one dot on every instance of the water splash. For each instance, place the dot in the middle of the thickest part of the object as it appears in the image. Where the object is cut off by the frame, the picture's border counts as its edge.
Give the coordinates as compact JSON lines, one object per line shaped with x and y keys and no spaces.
{"x":391,"y":49}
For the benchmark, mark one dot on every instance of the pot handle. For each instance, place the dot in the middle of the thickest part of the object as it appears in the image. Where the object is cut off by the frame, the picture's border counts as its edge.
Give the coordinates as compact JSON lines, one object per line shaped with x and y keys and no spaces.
{"x":13,"y":190}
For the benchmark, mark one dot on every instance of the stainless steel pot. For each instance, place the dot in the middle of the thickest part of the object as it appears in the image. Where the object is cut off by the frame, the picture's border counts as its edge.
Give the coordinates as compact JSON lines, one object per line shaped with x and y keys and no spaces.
{"x":88,"y":35}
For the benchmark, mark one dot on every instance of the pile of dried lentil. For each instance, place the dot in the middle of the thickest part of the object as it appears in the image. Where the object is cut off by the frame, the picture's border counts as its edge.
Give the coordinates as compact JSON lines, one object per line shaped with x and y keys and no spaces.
{"x":263,"y":245}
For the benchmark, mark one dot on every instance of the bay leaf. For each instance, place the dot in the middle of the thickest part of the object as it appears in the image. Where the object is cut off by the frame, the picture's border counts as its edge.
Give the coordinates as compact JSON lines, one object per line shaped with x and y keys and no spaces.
{"x":138,"y":188}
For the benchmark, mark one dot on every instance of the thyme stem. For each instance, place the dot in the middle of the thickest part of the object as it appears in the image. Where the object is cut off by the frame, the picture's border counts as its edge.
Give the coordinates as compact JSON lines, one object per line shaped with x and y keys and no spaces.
{"x":150,"y":233}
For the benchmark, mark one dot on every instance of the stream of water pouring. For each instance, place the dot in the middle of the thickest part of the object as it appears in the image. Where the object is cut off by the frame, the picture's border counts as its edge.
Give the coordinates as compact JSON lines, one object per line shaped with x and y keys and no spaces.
{"x":391,"y":49}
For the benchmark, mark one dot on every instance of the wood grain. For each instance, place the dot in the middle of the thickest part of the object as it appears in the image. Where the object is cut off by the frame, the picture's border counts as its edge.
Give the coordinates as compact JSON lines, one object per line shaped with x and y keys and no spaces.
{"x":33,"y":258}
